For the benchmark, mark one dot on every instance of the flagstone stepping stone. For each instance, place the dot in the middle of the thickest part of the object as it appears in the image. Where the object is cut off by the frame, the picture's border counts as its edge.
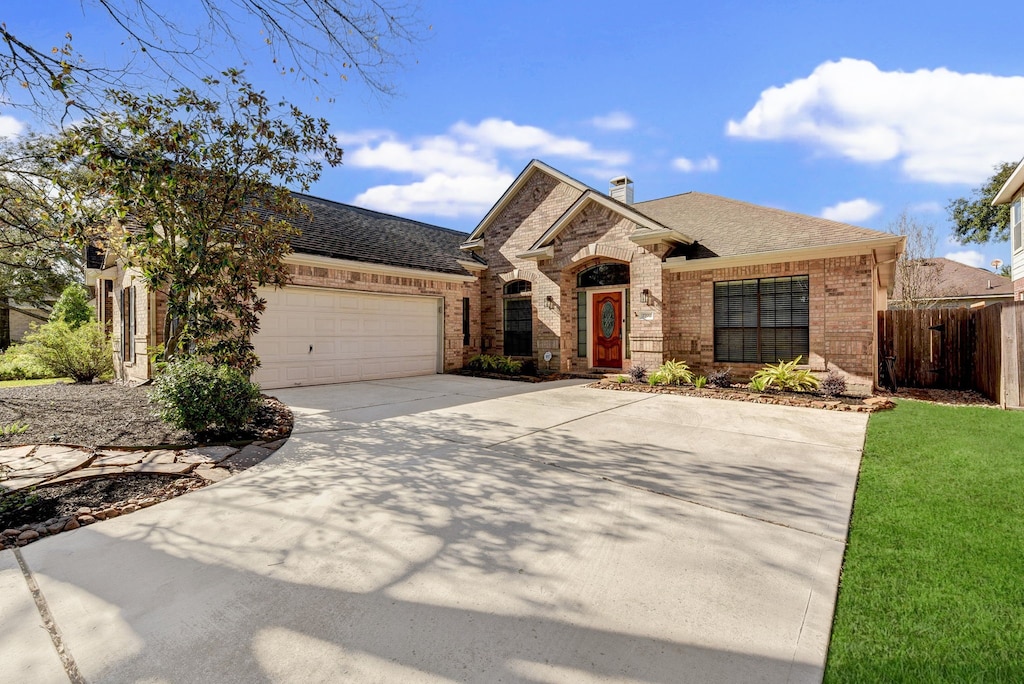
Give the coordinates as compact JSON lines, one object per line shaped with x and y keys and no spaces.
{"x":162,"y":456}
{"x":55,"y":464}
{"x":47,"y":450}
{"x":247,"y":457}
{"x":15,"y":453}
{"x":211,"y":474}
{"x":13,"y":484}
{"x":87,"y":474}
{"x":118,"y":458}
{"x":160,"y":468}
{"x":215,"y":453}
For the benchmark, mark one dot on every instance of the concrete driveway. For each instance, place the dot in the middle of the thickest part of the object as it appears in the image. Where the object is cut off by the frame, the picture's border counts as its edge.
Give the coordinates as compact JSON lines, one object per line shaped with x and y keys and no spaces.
{"x":446,"y":528}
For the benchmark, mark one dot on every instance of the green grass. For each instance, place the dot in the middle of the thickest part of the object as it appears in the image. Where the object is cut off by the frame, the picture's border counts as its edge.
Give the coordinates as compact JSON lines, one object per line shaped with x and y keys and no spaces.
{"x":933,"y":580}
{"x":30,"y":383}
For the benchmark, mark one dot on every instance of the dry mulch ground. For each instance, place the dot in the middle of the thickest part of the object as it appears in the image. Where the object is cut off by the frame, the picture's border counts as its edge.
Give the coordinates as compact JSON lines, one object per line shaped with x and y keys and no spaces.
{"x":103,"y":415}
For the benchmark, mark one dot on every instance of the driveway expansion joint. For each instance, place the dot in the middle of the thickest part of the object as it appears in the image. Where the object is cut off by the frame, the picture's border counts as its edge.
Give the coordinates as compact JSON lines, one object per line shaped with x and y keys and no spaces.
{"x":63,"y":652}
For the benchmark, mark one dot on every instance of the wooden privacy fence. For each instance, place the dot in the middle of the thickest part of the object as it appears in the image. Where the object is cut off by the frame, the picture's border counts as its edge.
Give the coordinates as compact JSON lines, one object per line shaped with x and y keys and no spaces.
{"x":980,"y":349}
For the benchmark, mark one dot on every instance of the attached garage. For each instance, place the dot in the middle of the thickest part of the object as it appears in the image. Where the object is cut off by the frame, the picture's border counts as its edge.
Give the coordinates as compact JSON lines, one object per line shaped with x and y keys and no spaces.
{"x":314,"y":336}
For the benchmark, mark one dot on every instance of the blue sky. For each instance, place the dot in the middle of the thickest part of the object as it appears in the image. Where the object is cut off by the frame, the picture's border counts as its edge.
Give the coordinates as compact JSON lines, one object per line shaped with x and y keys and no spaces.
{"x":853,"y":111}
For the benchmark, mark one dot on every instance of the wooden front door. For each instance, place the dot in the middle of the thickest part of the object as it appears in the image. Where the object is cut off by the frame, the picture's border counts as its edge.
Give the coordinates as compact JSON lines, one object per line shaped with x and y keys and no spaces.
{"x":607,"y":312}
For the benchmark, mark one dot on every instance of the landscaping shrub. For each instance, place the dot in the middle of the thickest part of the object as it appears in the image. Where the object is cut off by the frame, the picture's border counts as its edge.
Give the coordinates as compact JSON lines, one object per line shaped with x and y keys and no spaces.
{"x":637,"y":373}
{"x":194,"y":395}
{"x":72,"y":307}
{"x":700,"y":381}
{"x":19,"y":363}
{"x":785,"y":376}
{"x":488,"y":363}
{"x":834,"y":384}
{"x":671,"y":373}
{"x":720,"y":378}
{"x":82,"y":353}
{"x":529,"y":367}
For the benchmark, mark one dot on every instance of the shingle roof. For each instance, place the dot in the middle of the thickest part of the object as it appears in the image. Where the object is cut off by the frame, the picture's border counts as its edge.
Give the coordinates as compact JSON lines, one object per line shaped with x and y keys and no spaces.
{"x":725,"y":227}
{"x":342,"y":231}
{"x":960,"y":280}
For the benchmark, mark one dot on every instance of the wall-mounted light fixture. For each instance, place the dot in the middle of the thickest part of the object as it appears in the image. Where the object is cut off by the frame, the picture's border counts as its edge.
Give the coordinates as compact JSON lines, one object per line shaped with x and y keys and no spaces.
{"x":550,"y":302}
{"x":645,"y":297}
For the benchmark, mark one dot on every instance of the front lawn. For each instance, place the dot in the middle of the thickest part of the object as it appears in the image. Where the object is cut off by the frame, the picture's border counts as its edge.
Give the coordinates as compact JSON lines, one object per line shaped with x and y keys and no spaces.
{"x":32,"y":383}
{"x":933,"y":580}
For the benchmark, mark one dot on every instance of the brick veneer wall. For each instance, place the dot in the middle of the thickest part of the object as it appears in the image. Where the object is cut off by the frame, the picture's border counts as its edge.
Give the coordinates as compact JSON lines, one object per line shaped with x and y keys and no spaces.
{"x":842,"y":306}
{"x":524,"y":219}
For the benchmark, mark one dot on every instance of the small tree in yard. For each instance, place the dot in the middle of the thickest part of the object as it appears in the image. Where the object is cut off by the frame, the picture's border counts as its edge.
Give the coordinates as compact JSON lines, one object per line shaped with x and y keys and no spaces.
{"x":72,"y":307}
{"x":918,"y":274}
{"x":195,"y":199}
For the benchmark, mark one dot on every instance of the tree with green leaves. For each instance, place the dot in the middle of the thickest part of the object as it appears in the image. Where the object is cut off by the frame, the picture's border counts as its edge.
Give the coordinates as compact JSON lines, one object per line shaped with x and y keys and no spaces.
{"x":975,"y":219}
{"x":35,"y":264}
{"x":72,"y":307}
{"x":195,"y":193}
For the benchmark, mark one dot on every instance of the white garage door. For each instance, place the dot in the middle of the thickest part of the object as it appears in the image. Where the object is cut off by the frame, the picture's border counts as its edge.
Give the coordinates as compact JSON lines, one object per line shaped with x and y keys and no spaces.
{"x":316,"y":337}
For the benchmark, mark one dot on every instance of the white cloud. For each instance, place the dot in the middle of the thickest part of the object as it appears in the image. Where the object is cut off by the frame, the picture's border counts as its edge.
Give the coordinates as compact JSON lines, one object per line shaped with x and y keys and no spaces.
{"x":708,"y":163}
{"x":925,"y":208}
{"x":971,"y":257}
{"x":942,"y":126}
{"x":463,"y":171}
{"x":614,"y":121}
{"x":852,"y":211}
{"x":10,"y":127}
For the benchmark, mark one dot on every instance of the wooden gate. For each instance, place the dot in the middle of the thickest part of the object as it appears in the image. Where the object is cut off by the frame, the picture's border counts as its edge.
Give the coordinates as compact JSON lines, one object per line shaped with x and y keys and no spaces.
{"x":980,"y":349}
{"x":932,"y":347}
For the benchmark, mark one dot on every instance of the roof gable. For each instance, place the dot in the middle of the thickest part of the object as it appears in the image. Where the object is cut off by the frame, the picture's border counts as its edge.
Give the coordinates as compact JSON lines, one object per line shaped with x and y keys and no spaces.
{"x":644,"y":223}
{"x":533,"y":167}
{"x":952,"y":280}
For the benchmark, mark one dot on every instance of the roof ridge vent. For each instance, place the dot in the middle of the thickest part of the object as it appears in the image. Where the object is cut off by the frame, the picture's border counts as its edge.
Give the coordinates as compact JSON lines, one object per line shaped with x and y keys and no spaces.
{"x":621,"y":188}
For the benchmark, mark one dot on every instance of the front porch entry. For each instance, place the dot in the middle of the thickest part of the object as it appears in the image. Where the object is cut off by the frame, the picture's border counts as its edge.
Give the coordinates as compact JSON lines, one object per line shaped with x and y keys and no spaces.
{"x":607,"y":329}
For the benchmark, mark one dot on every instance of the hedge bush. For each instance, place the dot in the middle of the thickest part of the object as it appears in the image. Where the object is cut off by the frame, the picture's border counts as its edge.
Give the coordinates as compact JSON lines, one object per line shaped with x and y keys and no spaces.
{"x":194,"y":395}
{"x":19,"y":363}
{"x":82,"y":353}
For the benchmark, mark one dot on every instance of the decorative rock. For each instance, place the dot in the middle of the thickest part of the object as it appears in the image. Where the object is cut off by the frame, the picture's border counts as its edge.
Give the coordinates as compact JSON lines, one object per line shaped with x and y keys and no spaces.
{"x":130,"y":508}
{"x":147,"y":502}
{"x":86,"y":519}
{"x":71,"y":525}
{"x":84,"y":510}
{"x":109,"y":513}
{"x":28,"y":535}
{"x":55,"y":528}
{"x":11,"y":533}
{"x":99,"y":515}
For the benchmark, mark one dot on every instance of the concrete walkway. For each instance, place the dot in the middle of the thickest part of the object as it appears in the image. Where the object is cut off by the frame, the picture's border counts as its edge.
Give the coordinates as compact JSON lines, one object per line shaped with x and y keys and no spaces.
{"x":447,"y":528}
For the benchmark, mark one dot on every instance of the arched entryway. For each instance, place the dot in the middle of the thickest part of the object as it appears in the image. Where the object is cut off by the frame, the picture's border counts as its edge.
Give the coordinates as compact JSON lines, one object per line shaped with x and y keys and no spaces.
{"x":602,"y":312}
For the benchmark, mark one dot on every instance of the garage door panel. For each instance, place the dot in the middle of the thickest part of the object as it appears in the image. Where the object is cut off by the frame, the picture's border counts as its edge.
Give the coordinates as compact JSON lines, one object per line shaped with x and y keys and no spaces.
{"x":355,"y":336}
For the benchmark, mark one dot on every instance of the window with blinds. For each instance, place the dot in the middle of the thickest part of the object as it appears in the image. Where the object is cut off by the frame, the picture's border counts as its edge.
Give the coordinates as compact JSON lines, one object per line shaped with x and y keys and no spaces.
{"x":762,"y":321}
{"x":1015,"y":223}
{"x":518,"y":327}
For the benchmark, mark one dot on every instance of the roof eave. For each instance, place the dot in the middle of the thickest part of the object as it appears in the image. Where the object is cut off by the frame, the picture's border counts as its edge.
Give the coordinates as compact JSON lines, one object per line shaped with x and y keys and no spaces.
{"x":538,"y":254}
{"x":1010,"y":188}
{"x":884,"y":249}
{"x":657,"y":237}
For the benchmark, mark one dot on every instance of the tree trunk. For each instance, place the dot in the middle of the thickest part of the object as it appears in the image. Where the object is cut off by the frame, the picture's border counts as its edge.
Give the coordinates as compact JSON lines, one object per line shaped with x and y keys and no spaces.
{"x":5,"y":322}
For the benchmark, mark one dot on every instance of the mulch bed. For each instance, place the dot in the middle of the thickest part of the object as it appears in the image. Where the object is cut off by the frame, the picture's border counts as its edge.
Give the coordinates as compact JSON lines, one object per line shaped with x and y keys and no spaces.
{"x":543,"y":377}
{"x":106,"y":415}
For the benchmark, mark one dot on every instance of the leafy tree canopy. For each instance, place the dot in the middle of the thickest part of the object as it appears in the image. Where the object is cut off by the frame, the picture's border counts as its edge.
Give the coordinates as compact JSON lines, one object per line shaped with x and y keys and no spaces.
{"x":975,"y":219}
{"x":72,"y":307}
{"x":195,"y":198}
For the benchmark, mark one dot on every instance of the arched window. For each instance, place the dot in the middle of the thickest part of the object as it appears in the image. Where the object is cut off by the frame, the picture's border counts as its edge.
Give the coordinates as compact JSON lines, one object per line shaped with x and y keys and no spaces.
{"x":604,"y":275}
{"x":516,"y":287}
{"x":518,"y":311}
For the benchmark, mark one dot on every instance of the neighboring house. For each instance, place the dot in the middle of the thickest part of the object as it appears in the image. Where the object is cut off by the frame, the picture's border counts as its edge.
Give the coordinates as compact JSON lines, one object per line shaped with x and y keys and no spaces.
{"x":557,"y":272}
{"x":22,"y":317}
{"x":1012,"y":193}
{"x":601,"y":282}
{"x":943,"y":283}
{"x":372,"y":296}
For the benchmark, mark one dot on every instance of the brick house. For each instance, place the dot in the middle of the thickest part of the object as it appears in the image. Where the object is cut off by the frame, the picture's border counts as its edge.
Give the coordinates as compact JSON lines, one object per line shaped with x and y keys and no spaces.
{"x":371,"y":296}
{"x":1012,"y":193}
{"x":557,"y":272}
{"x":581,"y":280}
